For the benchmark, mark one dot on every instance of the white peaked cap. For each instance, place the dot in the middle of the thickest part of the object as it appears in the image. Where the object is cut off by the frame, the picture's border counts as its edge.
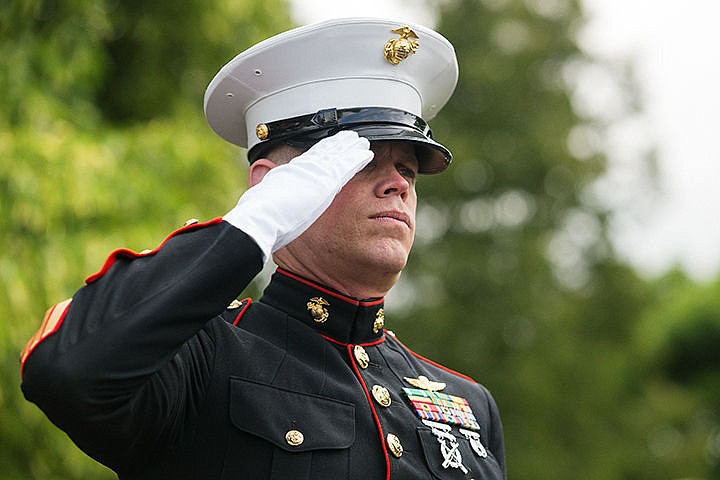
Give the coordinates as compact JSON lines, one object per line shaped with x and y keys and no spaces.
{"x":337,"y":64}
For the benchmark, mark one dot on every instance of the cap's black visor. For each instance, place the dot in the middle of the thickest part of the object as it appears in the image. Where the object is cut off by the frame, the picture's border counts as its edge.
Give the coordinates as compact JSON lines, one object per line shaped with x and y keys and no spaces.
{"x":373,"y":123}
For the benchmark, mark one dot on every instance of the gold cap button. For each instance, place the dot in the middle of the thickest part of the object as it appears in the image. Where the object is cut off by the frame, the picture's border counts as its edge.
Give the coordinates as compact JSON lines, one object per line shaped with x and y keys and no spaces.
{"x":192,"y":221}
{"x":382,"y":395}
{"x":294,"y":438}
{"x":262,"y":131}
{"x":361,"y":356}
{"x":394,"y":445}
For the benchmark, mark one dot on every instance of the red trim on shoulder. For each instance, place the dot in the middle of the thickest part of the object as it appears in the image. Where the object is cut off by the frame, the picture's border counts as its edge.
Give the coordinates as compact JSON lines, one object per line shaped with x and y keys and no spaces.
{"x":449,"y":370}
{"x":242,"y":310}
{"x":51,"y":323}
{"x":357,"y":303}
{"x":124,"y":252}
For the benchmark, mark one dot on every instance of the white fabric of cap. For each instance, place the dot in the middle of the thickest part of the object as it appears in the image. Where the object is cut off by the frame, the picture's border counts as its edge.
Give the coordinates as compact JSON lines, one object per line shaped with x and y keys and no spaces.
{"x":333,"y":64}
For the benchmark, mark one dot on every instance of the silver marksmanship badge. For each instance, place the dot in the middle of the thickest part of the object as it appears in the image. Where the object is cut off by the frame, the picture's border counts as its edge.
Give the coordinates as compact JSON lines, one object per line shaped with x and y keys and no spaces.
{"x":449,"y":447}
{"x":475,"y":442}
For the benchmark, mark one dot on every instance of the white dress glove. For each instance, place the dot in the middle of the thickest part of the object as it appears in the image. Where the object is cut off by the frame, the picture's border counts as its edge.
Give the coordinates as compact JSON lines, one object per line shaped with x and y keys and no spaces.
{"x":292,"y":196}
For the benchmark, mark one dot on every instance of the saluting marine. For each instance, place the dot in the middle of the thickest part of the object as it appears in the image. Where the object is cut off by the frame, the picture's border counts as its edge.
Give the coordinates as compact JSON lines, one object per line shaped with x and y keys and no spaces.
{"x":150,"y":372}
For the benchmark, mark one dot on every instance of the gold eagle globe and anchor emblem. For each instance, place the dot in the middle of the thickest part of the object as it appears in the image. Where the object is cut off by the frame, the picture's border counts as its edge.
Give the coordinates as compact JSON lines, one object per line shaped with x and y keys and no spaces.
{"x":316,"y":307}
{"x":379,"y":322}
{"x":398,"y":49}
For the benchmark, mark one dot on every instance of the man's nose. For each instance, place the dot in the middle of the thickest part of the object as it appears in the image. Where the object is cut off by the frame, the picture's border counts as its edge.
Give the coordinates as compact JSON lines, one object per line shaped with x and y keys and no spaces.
{"x":393,"y":182}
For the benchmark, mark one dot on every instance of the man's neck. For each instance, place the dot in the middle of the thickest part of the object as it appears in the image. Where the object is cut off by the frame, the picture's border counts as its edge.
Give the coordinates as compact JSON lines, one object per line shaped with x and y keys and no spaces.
{"x":358,"y":285}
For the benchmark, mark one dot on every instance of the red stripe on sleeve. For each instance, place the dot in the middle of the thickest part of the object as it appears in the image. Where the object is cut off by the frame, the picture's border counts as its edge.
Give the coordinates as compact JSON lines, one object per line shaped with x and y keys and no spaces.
{"x":51,"y":323}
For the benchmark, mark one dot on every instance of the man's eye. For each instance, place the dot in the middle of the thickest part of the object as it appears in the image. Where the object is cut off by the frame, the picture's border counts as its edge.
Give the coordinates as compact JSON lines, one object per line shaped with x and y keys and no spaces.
{"x":406,"y":172}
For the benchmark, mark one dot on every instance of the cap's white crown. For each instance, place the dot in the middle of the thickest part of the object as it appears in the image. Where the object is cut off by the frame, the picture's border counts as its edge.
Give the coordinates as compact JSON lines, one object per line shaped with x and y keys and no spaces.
{"x":333,"y":64}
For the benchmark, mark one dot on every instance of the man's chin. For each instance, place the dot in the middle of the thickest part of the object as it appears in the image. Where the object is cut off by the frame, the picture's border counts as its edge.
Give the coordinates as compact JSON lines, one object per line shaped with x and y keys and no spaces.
{"x":390,"y":257}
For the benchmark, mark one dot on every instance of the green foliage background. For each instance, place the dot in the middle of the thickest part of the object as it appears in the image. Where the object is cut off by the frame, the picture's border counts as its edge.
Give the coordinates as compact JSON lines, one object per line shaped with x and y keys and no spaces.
{"x":599,"y":373}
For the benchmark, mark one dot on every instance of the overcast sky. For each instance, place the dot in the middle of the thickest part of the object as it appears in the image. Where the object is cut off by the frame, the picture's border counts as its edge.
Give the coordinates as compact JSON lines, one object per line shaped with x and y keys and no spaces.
{"x":675,"y":47}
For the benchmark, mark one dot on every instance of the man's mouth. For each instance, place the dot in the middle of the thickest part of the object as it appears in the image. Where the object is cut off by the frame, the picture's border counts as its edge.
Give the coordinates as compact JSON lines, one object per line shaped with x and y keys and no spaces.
{"x":393,"y":216}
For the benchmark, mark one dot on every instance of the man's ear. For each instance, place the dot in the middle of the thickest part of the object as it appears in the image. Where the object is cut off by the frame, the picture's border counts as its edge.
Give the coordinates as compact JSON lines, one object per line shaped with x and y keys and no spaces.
{"x":258,"y":169}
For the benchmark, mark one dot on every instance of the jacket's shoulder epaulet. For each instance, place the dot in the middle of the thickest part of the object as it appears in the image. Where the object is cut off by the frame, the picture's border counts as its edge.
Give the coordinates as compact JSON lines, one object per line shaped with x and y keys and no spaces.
{"x":235,"y":311}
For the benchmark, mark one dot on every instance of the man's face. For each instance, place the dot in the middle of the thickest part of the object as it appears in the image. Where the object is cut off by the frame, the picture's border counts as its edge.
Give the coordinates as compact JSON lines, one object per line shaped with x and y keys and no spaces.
{"x":371,"y":222}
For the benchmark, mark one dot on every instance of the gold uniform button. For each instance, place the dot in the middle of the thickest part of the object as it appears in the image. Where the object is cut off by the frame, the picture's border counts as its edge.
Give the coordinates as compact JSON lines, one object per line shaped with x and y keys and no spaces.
{"x":382,"y":395}
{"x":361,"y":356}
{"x":294,"y":438}
{"x":394,"y":445}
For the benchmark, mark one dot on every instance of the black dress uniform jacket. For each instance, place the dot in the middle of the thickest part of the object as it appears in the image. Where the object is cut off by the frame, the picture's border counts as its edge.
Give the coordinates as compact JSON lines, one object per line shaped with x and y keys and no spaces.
{"x":149,"y":373}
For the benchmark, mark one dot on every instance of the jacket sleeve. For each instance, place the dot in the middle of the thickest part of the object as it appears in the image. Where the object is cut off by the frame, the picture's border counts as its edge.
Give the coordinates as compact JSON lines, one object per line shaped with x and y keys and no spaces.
{"x":102,"y":358}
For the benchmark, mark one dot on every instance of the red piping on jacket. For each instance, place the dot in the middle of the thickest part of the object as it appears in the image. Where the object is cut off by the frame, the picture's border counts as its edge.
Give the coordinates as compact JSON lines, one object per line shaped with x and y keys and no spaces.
{"x":243,"y":310}
{"x":127,"y":253}
{"x":372,"y":409}
{"x":343,"y":344}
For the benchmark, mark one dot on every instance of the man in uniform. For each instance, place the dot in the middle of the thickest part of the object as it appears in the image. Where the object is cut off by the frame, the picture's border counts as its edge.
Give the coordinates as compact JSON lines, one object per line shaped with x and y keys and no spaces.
{"x":150,"y":372}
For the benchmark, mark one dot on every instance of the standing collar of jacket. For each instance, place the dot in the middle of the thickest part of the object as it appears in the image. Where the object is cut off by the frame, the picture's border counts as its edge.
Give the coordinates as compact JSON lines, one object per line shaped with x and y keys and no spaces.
{"x":339,"y":317}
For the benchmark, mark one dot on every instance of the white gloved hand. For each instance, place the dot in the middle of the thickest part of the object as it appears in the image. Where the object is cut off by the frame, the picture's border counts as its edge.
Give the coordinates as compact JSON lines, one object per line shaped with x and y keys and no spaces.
{"x":292,"y":196}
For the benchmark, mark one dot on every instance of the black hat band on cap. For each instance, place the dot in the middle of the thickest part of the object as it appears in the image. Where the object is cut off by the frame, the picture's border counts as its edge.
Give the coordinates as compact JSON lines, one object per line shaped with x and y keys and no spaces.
{"x":374,"y":123}
{"x":332,"y":117}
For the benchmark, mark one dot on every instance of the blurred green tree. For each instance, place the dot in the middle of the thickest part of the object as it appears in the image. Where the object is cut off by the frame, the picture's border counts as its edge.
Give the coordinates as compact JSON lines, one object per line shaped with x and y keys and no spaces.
{"x":679,"y":349}
{"x":102,"y":144}
{"x":513,"y":278}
